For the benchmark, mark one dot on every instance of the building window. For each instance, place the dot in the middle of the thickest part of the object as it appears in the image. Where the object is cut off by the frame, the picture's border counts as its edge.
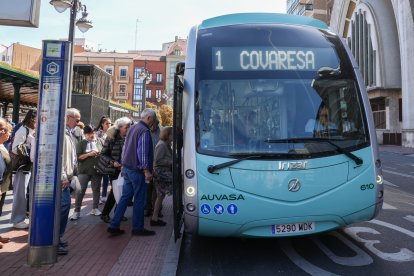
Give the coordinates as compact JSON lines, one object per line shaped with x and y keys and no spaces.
{"x":378,"y":110}
{"x":158,"y":94}
{"x":149,"y":77}
{"x":360,"y":42}
{"x":148,"y":93}
{"x":123,"y":73}
{"x":177,"y":52}
{"x":159,"y":78}
{"x":137,"y":93}
{"x":109,"y":70}
{"x":122,"y":91}
{"x":137,"y":71}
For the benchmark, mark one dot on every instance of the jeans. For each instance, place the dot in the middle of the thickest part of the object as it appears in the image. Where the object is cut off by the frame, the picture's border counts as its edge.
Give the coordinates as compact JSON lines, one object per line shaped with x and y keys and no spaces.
{"x":134,"y":186}
{"x":64,"y":210}
{"x":105,"y":181}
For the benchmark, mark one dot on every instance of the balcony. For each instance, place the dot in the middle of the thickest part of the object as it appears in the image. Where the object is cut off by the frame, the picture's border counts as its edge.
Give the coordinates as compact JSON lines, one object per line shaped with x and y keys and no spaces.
{"x":121,"y":96}
{"x":122,"y":79}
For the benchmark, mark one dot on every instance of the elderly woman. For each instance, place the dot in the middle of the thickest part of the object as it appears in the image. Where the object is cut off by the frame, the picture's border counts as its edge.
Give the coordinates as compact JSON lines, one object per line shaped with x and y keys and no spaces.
{"x":23,"y":135}
{"x":5,"y":167}
{"x":162,"y":172}
{"x":111,"y":153}
{"x":101,"y":129}
{"x":88,"y":153}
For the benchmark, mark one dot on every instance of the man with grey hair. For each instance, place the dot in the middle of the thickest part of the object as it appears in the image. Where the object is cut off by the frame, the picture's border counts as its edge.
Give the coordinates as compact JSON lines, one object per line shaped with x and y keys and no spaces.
{"x":137,"y":162}
{"x":69,"y":164}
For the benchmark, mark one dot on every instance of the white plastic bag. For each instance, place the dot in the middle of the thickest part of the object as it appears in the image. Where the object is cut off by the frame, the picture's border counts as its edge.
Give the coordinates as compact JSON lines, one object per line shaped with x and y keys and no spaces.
{"x":117,"y":186}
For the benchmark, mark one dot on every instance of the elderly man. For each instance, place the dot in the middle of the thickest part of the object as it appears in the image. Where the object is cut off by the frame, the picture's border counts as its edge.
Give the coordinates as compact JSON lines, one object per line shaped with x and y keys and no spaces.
{"x":69,"y":163}
{"x":137,"y":162}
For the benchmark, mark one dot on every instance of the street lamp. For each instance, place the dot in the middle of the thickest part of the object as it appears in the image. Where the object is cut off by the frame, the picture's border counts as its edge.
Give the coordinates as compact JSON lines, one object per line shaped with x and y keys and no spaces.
{"x":83,"y":24}
{"x":145,"y":80}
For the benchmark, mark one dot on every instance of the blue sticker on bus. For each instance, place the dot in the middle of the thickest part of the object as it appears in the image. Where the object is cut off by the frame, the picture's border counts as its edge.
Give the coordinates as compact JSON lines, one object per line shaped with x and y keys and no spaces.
{"x":218,"y":209}
{"x":232,"y":209}
{"x":205,"y":209}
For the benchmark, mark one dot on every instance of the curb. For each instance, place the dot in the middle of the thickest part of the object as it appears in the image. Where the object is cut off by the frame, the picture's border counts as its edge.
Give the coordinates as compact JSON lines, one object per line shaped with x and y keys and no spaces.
{"x":172,"y":256}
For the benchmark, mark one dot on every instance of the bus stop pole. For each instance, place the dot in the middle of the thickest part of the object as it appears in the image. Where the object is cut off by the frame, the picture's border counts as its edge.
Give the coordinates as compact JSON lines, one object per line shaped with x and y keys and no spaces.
{"x":46,"y":174}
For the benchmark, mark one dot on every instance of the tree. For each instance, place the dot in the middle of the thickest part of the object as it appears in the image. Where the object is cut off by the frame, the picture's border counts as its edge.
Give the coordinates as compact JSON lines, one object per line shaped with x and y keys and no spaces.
{"x":166,"y":115}
{"x":155,"y":108}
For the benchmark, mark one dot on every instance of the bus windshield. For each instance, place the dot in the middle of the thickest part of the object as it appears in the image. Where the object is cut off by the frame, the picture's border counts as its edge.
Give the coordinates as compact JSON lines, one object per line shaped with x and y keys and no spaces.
{"x":268,"y":95}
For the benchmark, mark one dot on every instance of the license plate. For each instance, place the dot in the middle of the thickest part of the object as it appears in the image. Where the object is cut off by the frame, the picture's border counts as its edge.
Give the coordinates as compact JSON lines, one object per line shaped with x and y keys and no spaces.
{"x":299,"y":227}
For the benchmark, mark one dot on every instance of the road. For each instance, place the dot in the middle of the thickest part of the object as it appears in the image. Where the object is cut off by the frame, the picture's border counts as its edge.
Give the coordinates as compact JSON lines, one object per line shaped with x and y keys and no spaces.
{"x":383,"y":246}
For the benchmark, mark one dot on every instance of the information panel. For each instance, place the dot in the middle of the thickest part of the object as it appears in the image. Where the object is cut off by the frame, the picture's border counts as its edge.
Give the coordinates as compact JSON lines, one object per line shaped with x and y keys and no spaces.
{"x":49,"y":137}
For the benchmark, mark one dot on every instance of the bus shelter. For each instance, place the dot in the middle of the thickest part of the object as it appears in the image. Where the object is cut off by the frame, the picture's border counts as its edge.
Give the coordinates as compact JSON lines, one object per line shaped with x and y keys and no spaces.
{"x":18,"y":89}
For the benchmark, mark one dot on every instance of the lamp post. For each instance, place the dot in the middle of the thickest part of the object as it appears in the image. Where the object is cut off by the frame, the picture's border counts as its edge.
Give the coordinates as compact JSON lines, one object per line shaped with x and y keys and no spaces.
{"x":82,"y":23}
{"x":145,"y":80}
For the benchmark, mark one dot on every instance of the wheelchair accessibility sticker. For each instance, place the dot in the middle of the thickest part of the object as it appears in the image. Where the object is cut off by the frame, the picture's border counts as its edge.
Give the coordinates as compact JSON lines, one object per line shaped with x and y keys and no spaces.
{"x":205,"y":209}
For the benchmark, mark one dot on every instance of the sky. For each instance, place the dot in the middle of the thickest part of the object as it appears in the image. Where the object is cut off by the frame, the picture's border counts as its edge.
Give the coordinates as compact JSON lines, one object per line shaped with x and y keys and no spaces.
{"x":115,"y":21}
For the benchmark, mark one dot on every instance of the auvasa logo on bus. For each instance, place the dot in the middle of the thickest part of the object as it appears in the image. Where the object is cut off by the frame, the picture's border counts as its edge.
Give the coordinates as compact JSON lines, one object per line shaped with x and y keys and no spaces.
{"x":222,"y":197}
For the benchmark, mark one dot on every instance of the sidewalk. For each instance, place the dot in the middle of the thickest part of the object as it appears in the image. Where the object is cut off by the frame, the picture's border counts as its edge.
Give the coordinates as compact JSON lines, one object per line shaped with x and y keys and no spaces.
{"x":91,"y":249}
{"x":396,"y":149}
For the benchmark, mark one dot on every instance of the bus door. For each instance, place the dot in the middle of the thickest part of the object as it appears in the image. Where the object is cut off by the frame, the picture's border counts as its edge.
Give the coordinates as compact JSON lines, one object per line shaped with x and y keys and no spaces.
{"x":177,"y":150}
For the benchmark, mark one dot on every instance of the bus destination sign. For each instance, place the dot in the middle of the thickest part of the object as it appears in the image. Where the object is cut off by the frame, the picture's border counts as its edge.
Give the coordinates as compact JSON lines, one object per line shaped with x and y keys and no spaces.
{"x":271,"y":59}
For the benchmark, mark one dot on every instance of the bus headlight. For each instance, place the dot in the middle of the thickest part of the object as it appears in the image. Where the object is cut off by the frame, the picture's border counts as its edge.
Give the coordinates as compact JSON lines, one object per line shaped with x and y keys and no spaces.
{"x":190,"y":191}
{"x":379,"y":179}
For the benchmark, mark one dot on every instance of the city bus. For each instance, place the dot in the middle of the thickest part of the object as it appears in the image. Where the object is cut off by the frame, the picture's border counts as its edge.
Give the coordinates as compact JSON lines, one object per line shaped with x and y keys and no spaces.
{"x":273,"y":130}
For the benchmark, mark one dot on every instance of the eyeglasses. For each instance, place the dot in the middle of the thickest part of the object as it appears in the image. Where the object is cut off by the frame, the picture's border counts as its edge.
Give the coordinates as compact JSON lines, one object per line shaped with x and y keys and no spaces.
{"x":76,"y":120}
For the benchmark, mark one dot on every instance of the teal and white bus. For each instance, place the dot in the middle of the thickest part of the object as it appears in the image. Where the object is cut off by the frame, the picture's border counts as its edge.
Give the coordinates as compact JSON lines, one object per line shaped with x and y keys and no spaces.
{"x":274,"y":133}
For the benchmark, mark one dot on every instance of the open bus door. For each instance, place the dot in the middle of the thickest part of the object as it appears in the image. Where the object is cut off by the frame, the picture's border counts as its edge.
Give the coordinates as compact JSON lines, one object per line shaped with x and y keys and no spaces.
{"x":177,"y":149}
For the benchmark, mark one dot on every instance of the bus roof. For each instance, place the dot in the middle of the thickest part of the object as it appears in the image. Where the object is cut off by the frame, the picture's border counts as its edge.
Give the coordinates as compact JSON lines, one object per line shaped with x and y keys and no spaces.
{"x":252,"y":18}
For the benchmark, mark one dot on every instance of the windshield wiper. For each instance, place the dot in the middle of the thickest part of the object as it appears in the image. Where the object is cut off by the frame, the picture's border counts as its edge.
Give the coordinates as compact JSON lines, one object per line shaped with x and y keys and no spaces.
{"x":213,"y":168}
{"x":358,"y":161}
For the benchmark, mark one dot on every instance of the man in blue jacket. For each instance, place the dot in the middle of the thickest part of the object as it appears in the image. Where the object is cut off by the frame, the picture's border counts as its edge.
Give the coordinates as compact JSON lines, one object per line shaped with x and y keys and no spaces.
{"x":137,"y":162}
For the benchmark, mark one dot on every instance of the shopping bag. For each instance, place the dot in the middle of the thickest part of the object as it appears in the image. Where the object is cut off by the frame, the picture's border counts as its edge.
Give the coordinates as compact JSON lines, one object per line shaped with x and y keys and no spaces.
{"x":117,"y":186}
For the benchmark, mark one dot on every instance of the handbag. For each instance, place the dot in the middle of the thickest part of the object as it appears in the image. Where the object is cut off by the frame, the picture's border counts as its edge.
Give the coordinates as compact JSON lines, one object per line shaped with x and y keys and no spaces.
{"x":117,"y":186}
{"x":105,"y":168}
{"x":21,"y":160}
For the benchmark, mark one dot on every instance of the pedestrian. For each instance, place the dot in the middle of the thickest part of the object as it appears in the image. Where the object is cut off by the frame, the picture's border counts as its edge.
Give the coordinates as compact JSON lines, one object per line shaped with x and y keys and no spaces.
{"x":137,"y":163}
{"x":22,"y":139}
{"x":162,"y":172}
{"x":151,"y":192}
{"x":5,"y":168}
{"x":101,"y":133}
{"x":8,"y":118}
{"x":69,"y":167}
{"x":111,"y":154}
{"x":88,"y":151}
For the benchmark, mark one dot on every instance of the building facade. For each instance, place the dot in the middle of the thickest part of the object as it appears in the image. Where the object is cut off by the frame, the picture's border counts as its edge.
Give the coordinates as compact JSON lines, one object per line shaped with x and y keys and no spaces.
{"x":155,"y":81}
{"x":380,"y":35}
{"x":21,"y":56}
{"x":318,"y":9}
{"x":119,"y":65}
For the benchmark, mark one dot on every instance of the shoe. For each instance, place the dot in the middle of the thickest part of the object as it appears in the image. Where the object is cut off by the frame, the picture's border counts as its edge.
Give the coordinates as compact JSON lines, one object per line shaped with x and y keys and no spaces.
{"x":63,"y":244}
{"x":21,"y":225}
{"x":75,"y":216}
{"x":143,"y":232}
{"x":157,"y":223}
{"x":115,"y":231}
{"x":124,"y":218}
{"x":62,"y":251}
{"x":105,"y":218}
{"x":95,"y":212}
{"x":160,"y":215}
